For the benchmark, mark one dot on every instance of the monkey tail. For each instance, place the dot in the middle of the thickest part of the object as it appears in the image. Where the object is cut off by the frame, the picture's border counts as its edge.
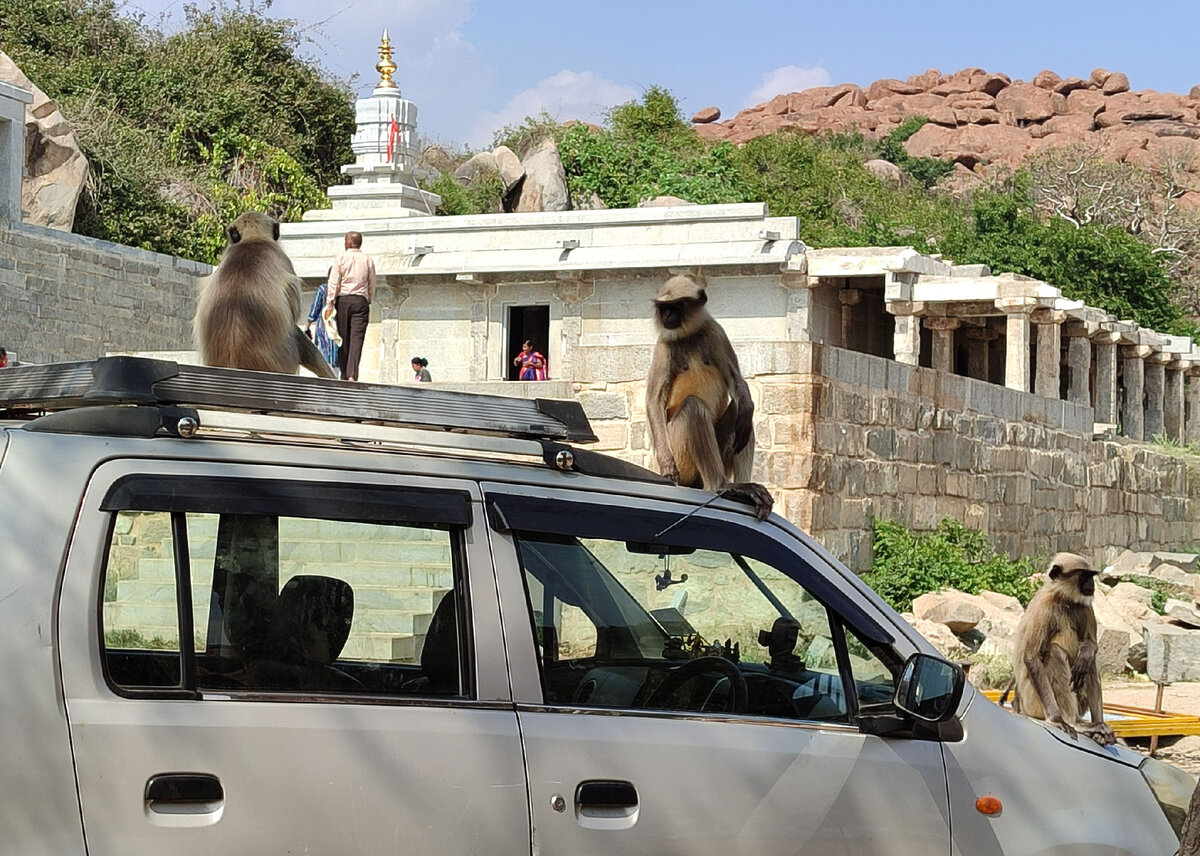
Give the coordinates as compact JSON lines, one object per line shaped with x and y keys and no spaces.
{"x":311,"y":357}
{"x":693,"y":443}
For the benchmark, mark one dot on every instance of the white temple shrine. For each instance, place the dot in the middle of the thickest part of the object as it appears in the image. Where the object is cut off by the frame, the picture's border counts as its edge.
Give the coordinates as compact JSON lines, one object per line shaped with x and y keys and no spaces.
{"x":386,"y":148}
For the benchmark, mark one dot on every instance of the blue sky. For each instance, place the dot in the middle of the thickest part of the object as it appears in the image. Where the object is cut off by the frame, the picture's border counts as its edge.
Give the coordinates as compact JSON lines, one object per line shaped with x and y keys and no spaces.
{"x":472,"y":67}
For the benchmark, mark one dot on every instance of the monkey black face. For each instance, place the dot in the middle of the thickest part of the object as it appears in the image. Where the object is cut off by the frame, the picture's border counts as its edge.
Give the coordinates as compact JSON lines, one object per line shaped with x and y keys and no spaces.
{"x":235,"y":234}
{"x":1085,"y":577}
{"x":672,"y":313}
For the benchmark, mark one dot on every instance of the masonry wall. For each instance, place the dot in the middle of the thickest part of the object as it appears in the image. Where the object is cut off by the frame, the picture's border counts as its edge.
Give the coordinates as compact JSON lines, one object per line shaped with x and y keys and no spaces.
{"x":66,"y":297}
{"x":844,"y":438}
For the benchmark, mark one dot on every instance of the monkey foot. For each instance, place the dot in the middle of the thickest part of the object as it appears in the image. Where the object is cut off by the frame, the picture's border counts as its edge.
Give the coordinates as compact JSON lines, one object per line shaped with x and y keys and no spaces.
{"x":751,"y":493}
{"x":1102,"y":733}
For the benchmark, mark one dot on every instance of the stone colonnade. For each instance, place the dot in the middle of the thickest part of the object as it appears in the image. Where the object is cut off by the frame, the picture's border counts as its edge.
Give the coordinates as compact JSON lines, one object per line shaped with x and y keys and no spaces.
{"x":1139,"y":382}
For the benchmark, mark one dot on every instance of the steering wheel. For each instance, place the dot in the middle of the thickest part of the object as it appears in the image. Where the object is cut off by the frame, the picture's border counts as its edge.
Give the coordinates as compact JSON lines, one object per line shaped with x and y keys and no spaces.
{"x":693,"y":669}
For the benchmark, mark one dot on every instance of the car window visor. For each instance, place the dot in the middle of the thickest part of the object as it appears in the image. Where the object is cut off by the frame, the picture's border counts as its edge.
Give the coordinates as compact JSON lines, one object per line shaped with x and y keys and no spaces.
{"x":288,"y":498}
{"x":541,"y":515}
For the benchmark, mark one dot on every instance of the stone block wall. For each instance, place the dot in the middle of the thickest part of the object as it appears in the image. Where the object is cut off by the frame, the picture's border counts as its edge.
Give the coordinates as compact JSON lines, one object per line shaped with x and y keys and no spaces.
{"x":844,"y":438}
{"x":67,"y":297}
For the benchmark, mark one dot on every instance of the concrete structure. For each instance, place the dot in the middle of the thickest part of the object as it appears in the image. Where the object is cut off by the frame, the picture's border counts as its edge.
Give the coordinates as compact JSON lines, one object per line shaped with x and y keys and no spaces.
{"x":888,"y":383}
{"x":383,"y":177}
{"x":12,"y":149}
{"x":67,"y":297}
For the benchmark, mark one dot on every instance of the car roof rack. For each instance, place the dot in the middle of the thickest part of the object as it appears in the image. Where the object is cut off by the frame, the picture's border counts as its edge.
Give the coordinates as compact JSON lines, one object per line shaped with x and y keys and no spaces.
{"x":30,"y":390}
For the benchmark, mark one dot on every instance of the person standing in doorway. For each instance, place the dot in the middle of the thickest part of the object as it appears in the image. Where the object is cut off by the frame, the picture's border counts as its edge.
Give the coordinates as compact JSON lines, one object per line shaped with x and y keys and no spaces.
{"x":531,"y":362}
{"x":351,"y":290}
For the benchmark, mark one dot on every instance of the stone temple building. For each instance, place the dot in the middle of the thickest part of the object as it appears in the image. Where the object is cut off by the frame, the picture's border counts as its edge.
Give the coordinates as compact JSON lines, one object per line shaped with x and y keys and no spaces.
{"x":466,"y":291}
{"x":888,"y":384}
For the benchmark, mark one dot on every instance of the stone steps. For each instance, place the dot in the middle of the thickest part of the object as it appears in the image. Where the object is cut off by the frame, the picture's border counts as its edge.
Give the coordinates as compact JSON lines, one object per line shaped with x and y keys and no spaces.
{"x":398,"y":576}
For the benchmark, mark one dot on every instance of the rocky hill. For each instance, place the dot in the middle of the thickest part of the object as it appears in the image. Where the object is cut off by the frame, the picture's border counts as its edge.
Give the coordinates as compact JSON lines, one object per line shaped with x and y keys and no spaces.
{"x":980,"y":119}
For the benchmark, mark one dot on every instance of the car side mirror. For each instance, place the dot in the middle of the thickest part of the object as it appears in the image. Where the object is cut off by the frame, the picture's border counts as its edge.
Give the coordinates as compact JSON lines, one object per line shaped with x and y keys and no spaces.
{"x":929,"y":688}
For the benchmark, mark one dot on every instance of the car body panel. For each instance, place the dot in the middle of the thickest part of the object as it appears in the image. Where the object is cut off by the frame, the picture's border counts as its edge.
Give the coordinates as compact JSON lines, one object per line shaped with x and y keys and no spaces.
{"x":719,"y":784}
{"x":481,"y":775}
{"x":326,"y":775}
{"x":1057,"y":799}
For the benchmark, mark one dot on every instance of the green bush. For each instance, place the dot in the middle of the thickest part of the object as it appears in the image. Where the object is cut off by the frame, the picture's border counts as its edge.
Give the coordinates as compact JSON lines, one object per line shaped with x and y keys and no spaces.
{"x":907,"y":565}
{"x":184,"y":131}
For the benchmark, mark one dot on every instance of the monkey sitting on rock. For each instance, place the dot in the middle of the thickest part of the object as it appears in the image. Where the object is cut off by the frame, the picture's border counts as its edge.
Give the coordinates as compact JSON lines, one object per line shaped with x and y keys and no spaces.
{"x":698,"y":404}
{"x":1054,"y":664}
{"x":248,"y":308}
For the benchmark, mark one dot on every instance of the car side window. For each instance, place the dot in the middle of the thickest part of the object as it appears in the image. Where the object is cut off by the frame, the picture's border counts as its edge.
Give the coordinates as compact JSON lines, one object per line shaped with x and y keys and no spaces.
{"x":283,"y":604}
{"x":631,"y":626}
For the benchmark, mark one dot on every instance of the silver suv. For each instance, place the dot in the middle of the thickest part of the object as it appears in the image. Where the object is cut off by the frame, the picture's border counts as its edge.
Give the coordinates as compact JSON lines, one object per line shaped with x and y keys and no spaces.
{"x":248,"y":613}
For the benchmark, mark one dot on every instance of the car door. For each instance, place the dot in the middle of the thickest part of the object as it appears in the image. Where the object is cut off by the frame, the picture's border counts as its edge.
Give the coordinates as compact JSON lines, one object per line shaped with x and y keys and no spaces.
{"x":689,"y":684}
{"x":266,"y":659}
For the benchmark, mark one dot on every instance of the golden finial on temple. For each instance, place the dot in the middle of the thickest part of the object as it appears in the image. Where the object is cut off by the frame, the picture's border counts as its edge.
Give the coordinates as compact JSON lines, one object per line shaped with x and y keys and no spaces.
{"x":385,"y":66}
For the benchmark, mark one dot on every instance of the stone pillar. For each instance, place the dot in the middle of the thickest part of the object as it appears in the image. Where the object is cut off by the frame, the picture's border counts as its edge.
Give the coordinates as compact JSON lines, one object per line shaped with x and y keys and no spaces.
{"x":799,"y":305}
{"x":906,"y":341}
{"x":390,"y":296}
{"x":1106,"y":378}
{"x":1133,"y":414}
{"x":1191,"y":429}
{"x":480,"y":294}
{"x":572,"y":290}
{"x":943,"y":342}
{"x":1173,"y":403}
{"x":849,"y":298}
{"x":1154,"y":380}
{"x":979,"y":339}
{"x":12,"y":149}
{"x":1048,"y":380}
{"x":1016,"y":354}
{"x":1079,"y":368}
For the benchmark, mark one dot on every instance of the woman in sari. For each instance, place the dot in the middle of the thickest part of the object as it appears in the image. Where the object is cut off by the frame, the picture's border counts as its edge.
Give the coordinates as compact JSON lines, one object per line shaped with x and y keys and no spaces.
{"x":319,"y":330}
{"x":532,"y":363}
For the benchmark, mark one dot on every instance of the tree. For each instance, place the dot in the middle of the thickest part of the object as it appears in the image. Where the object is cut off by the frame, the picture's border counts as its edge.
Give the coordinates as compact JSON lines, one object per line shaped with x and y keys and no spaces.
{"x":185,"y":131}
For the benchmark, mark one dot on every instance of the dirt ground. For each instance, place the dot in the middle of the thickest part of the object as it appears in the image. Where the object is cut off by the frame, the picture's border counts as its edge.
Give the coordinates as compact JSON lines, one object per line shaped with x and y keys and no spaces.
{"x":1183,"y":752}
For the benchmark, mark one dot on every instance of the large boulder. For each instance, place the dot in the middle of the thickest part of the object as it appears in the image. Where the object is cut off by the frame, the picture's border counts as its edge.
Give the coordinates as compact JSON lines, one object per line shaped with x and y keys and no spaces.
{"x":55,"y":168}
{"x":951,"y":608}
{"x":885,"y":170}
{"x":509,"y":166}
{"x":938,"y":635}
{"x":545,"y":184}
{"x":1172,"y":653}
{"x":1131,"y":602}
{"x":435,"y":157}
{"x":476,"y":167}
{"x":663,"y":202}
{"x":1183,"y":613}
{"x":1025,"y":103}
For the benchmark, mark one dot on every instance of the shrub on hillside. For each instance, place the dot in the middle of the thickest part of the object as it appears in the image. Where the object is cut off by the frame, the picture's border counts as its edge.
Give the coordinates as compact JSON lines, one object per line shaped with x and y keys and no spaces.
{"x":184,"y":131}
{"x":907,"y":565}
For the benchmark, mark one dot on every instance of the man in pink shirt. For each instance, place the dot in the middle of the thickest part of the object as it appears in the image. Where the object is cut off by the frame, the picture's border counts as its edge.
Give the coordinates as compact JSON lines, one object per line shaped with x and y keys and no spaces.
{"x":350,"y":291}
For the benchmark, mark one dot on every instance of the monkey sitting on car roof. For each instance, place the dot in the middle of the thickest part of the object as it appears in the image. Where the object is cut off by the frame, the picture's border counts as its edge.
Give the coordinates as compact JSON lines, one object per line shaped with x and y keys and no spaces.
{"x":248,"y":308}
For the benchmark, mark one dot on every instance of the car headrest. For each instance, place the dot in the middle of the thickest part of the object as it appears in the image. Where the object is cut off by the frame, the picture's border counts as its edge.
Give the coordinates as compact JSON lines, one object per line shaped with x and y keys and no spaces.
{"x":439,"y":655}
{"x":312,"y":620}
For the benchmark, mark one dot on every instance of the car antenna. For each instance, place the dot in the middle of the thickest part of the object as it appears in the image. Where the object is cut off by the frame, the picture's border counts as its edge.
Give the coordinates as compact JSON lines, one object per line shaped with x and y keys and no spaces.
{"x":681,"y":520}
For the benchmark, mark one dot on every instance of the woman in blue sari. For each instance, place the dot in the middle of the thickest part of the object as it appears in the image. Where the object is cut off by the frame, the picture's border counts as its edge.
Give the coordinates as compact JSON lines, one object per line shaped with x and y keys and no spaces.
{"x":318,"y":331}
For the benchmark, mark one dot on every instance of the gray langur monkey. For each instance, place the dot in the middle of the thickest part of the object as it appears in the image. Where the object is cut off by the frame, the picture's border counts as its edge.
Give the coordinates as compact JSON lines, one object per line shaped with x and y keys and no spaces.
{"x":698,"y":404}
{"x":1055,"y":671}
{"x":248,"y":307}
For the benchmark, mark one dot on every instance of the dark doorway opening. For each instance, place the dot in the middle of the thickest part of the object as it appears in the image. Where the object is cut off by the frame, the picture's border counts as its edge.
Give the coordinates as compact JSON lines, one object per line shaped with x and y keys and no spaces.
{"x":528,"y":322}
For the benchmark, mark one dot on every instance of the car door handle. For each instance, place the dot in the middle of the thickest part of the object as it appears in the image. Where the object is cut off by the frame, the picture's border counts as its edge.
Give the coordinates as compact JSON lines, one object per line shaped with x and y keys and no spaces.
{"x":174,"y":792}
{"x":606,"y":799}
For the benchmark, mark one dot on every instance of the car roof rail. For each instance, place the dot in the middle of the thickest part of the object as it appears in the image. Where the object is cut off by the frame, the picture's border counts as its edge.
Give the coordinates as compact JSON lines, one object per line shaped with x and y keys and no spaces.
{"x":108,"y":381}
